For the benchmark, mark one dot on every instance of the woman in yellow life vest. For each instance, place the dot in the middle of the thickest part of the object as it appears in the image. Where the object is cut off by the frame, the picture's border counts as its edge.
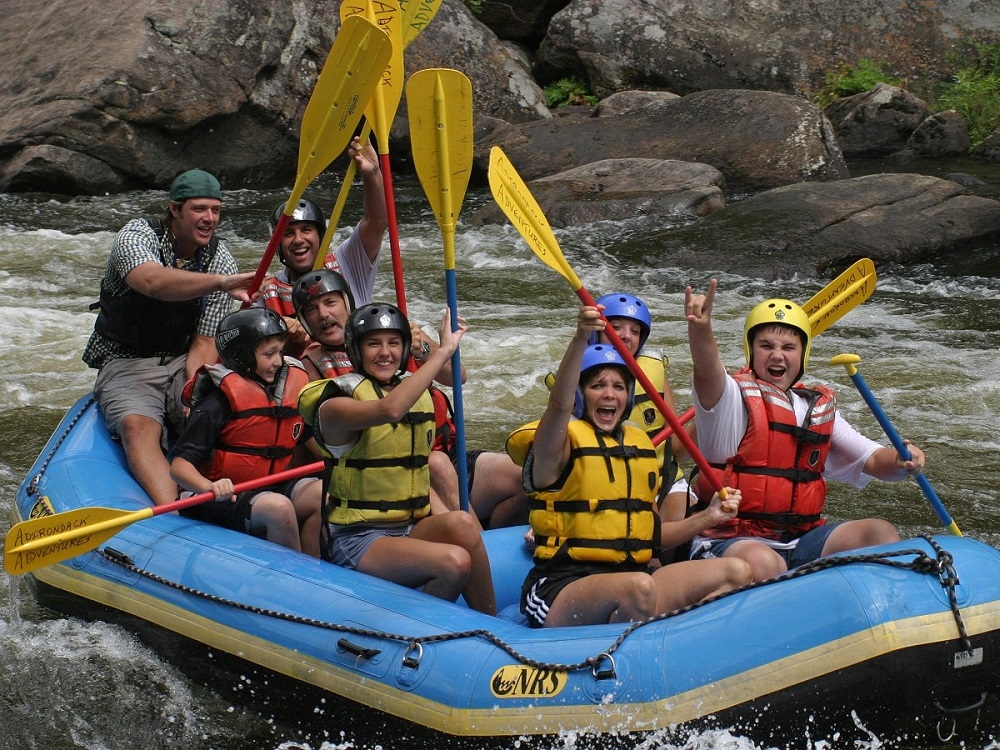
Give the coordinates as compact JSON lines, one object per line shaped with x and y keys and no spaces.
{"x":377,"y":424}
{"x":592,"y":485}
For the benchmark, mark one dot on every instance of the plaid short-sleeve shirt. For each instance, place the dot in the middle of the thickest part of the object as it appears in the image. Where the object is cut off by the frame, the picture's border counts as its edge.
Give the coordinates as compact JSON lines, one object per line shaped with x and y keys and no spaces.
{"x":139,"y":243}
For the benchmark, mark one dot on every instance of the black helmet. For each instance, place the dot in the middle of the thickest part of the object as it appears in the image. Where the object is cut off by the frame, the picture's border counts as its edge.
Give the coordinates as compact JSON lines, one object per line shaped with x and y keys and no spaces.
{"x":305,"y":210}
{"x":376,"y":316}
{"x":315,"y":284}
{"x":239,"y":334}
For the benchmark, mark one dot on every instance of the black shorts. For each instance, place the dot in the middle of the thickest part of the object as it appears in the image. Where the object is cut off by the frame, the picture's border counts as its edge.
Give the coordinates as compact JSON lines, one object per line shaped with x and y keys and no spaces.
{"x":545,"y":581}
{"x":235,"y":513}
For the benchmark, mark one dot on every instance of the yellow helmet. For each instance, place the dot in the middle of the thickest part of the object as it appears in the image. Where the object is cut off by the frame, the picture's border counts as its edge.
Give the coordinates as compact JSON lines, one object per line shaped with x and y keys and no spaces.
{"x":778,"y":311}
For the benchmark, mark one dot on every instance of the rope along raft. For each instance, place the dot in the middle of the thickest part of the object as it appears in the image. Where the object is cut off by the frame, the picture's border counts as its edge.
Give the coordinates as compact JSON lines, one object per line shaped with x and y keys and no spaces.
{"x":941,"y":566}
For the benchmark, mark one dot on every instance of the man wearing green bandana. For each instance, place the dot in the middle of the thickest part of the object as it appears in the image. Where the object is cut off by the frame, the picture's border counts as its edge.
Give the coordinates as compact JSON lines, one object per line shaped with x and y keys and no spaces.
{"x":168,"y":283}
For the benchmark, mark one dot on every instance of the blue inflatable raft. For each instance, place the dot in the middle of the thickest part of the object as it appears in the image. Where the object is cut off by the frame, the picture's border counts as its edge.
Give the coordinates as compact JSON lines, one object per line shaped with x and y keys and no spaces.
{"x":900,"y":637}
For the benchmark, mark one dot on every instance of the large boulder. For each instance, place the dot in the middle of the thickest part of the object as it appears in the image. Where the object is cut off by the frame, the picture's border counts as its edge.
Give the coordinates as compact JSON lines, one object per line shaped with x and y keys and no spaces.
{"x":756,"y":139}
{"x":876,"y":122}
{"x":688,"y":45}
{"x":812,"y":227}
{"x":619,"y":189}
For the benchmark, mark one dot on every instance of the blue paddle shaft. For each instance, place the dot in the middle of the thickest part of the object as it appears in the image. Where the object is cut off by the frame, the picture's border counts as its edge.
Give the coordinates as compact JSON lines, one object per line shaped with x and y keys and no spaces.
{"x":897,"y":442}
{"x":456,"y":376}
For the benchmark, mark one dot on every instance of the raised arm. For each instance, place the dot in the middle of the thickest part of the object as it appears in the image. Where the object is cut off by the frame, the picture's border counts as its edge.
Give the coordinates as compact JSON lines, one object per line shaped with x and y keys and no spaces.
{"x":375,"y":220}
{"x":709,"y":376}
{"x":551,"y":445}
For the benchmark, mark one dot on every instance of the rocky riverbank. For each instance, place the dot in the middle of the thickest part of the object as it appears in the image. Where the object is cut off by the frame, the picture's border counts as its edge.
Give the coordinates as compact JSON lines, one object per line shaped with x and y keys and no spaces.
{"x":122,"y":95}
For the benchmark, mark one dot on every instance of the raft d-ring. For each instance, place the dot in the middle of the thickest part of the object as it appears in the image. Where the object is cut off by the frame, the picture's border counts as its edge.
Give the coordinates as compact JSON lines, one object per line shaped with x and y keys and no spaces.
{"x":608,"y":673}
{"x":409,"y":659}
{"x":942,"y":722}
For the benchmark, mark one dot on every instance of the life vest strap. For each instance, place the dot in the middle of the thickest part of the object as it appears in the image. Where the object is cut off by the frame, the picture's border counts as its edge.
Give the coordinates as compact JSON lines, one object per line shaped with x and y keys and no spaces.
{"x":266,"y":452}
{"x":618,"y":545}
{"x":277,"y":411}
{"x":407,"y":462}
{"x":794,"y":475}
{"x":384,"y":506}
{"x":784,"y":519}
{"x":802,"y":434}
{"x":623,"y":504}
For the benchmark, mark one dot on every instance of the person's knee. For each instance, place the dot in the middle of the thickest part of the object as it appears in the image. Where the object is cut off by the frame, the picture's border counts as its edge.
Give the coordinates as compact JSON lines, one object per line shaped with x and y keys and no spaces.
{"x":272,"y":508}
{"x":636,"y":595}
{"x":738,"y":571}
{"x":763,"y":561}
{"x":454,"y":563}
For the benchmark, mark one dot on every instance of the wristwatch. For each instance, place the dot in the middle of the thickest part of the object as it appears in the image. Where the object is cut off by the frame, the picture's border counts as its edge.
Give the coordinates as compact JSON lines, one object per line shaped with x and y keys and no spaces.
{"x":425,"y":351}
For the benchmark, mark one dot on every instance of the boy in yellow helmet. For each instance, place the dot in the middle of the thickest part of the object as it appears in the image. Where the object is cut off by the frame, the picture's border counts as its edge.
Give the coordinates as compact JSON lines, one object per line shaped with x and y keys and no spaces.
{"x":778,"y":442}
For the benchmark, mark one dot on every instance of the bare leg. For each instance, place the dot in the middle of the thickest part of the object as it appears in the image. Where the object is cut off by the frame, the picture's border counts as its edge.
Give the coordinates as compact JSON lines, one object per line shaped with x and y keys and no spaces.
{"x":865,"y":532}
{"x":444,"y":479}
{"x":691,"y":581}
{"x":442,"y":569}
{"x":462,"y":530}
{"x":498,"y":492}
{"x":307,"y":503}
{"x":141,"y":440}
{"x":275,"y":515}
{"x":604,"y":597}
{"x":764,"y":562}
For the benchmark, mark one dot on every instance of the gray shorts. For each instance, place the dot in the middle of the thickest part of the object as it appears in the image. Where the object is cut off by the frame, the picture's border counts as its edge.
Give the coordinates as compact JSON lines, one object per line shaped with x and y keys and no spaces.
{"x":348,"y":544}
{"x":149,"y":386}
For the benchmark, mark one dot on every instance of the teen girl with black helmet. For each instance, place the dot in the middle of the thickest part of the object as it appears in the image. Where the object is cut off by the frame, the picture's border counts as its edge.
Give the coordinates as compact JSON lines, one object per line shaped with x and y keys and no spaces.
{"x":378,"y":425}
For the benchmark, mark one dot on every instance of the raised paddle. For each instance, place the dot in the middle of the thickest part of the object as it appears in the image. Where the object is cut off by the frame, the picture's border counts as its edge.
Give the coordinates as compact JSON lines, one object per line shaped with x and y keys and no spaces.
{"x":416,"y":15}
{"x":47,"y":540}
{"x":520,"y":206}
{"x":840,"y":296}
{"x":849,"y":361}
{"x":439,"y":105}
{"x":380,"y":111}
{"x":352,"y":71}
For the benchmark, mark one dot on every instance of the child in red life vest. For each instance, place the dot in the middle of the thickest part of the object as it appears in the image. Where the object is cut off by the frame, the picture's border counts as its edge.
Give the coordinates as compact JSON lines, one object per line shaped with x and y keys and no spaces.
{"x":244,"y":424}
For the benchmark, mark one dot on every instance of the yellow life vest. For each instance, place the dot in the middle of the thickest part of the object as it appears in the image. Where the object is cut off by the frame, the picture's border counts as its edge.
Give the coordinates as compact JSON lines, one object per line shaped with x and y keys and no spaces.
{"x":603,"y":507}
{"x":384,"y":477}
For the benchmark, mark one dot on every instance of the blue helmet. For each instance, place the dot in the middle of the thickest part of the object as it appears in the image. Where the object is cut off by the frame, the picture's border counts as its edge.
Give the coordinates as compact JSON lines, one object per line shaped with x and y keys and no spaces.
{"x":603,"y":355}
{"x":376,"y":316}
{"x":620,"y":305}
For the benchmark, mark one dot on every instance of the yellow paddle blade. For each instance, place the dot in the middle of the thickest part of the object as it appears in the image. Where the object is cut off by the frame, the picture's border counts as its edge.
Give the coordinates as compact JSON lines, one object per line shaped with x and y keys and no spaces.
{"x":416,"y":15}
{"x":439,"y":106}
{"x":381,"y":108}
{"x":841,"y":295}
{"x":355,"y":64}
{"x":47,"y":540}
{"x":520,"y":206}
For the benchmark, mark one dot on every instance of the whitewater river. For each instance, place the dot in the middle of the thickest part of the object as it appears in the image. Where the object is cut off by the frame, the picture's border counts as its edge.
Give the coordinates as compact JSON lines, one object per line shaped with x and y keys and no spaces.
{"x":929,"y":340}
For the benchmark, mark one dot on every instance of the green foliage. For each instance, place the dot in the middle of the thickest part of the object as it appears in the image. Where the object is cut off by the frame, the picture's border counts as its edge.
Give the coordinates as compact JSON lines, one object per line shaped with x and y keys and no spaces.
{"x":572,"y":90}
{"x":476,"y":6}
{"x":974,"y":91}
{"x":847,"y":80}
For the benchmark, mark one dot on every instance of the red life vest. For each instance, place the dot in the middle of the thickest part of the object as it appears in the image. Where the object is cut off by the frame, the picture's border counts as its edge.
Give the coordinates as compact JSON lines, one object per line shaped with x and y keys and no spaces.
{"x":277,"y":295}
{"x":444,"y":430}
{"x":329,"y":364}
{"x":261,"y":433}
{"x":778,"y":465}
